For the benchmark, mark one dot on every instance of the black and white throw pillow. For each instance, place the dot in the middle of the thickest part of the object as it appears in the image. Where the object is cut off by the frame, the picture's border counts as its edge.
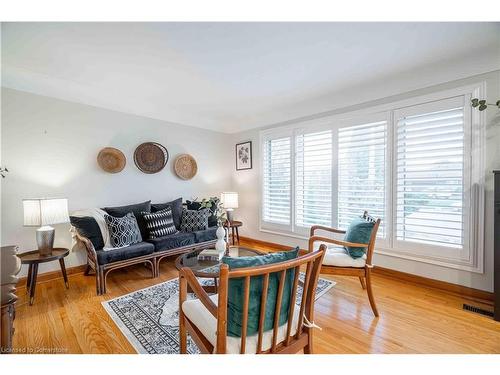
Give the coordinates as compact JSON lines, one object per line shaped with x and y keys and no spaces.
{"x":123,"y":231}
{"x":159,"y":224}
{"x":193,"y":220}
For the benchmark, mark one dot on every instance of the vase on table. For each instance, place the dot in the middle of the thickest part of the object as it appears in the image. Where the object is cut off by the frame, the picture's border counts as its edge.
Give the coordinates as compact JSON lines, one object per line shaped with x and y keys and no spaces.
{"x":221,"y":244}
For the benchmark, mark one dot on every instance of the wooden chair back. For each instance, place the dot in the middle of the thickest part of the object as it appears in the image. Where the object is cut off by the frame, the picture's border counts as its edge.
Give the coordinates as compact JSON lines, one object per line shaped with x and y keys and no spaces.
{"x":311,"y":262}
{"x":373,"y":238}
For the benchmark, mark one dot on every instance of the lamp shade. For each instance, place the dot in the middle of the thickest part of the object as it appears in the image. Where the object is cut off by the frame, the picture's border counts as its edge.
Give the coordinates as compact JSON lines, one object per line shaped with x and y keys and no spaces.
{"x":45,"y":211}
{"x":229,"y":200}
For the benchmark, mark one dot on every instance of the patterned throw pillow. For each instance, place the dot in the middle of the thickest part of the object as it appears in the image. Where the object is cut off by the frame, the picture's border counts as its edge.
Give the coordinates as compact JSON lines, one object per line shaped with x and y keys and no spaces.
{"x":159,"y":224}
{"x":193,"y":220}
{"x":123,"y":231}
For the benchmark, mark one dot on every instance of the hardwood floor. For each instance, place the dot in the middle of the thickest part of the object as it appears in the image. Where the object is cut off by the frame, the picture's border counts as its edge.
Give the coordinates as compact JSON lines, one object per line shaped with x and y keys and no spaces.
{"x":413,"y":318}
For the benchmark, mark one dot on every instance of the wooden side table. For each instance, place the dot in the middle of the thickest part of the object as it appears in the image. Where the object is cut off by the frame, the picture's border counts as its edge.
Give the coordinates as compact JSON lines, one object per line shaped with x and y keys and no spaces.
{"x":234,"y":228}
{"x":34,"y":258}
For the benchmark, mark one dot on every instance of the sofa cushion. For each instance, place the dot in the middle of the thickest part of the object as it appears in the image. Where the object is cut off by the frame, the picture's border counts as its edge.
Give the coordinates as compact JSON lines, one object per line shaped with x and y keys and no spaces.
{"x":236,"y":287}
{"x":173,"y":241}
{"x":205,"y":235}
{"x":159,"y":223}
{"x":123,"y":231}
{"x":136,"y":209}
{"x":87,"y":227}
{"x":198,"y":314}
{"x":212,"y":219}
{"x":194,"y":220}
{"x":132,"y":251}
{"x":175,"y":205}
{"x":339,"y":257}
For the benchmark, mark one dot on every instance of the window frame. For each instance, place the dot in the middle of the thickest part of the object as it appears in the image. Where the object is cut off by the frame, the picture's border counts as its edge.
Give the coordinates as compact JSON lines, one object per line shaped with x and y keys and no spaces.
{"x":474,"y":164}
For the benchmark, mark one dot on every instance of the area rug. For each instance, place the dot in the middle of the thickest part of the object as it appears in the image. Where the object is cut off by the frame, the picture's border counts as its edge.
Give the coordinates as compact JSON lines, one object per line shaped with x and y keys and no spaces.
{"x":149,"y":318}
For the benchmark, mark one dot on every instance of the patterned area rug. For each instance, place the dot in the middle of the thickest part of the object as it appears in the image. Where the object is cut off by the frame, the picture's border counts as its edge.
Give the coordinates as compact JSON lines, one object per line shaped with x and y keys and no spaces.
{"x":149,"y":318}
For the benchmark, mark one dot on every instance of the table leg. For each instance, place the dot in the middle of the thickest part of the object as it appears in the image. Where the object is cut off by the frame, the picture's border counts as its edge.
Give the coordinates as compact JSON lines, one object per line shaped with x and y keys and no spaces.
{"x":28,"y":280}
{"x":215,"y":284}
{"x":232,"y":234}
{"x":63,"y":269}
{"x":34,"y":274}
{"x":238,"y":235}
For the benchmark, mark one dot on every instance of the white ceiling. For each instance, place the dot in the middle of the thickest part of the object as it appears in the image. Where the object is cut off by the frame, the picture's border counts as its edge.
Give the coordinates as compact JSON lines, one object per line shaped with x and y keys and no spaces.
{"x":231,"y":77}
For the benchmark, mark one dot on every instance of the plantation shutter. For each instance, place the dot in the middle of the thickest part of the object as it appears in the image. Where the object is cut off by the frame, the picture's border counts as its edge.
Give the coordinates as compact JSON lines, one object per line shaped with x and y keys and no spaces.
{"x":277,"y":181}
{"x":430,"y":176}
{"x":362,"y":172}
{"x":313,"y":179}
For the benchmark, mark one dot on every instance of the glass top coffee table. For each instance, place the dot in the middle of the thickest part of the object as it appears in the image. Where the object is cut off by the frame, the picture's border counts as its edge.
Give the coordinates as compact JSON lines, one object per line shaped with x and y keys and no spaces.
{"x":209,"y":268}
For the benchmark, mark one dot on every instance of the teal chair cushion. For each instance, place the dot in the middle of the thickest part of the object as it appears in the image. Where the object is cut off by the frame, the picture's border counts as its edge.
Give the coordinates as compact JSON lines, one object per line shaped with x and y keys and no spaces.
{"x":359,"y":231}
{"x":236,"y":293}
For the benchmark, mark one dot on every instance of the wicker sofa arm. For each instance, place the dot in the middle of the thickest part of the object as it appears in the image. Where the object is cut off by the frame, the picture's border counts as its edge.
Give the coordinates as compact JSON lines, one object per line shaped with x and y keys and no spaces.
{"x":89,"y":248}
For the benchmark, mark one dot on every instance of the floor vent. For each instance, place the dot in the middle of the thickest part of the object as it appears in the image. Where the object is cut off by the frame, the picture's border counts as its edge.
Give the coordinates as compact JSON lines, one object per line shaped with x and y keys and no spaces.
{"x":478,"y":310}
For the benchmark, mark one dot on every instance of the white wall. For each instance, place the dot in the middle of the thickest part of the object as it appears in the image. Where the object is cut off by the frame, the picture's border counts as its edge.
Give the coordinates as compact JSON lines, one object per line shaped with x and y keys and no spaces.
{"x":247,"y":184}
{"x":50,"y":147}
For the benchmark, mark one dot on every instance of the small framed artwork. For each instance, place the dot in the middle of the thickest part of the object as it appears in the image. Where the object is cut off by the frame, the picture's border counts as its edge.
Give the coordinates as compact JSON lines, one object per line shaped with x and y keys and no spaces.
{"x":244,"y":156}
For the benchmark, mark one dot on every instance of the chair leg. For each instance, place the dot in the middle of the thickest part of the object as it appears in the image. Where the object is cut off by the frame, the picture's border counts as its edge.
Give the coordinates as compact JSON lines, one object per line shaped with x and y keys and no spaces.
{"x":362,"y":281}
{"x":370,"y":292}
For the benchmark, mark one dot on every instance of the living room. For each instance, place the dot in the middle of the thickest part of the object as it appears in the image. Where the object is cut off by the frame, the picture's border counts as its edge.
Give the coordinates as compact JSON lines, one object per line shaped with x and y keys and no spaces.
{"x":236,"y":187}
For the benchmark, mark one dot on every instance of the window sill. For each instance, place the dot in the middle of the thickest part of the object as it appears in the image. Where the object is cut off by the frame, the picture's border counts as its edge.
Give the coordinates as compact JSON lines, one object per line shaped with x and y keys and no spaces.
{"x":476,"y":268}
{"x":285,"y":234}
{"x":463,"y":266}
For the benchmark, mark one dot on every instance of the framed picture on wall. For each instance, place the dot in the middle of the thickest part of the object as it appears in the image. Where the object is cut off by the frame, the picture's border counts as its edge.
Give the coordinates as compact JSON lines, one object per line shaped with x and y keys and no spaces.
{"x":244,"y":156}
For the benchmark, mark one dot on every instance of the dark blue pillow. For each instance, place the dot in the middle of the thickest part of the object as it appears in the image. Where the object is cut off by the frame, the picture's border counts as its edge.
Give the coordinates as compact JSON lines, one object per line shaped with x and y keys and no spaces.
{"x":88,"y":227}
{"x":212,"y":219}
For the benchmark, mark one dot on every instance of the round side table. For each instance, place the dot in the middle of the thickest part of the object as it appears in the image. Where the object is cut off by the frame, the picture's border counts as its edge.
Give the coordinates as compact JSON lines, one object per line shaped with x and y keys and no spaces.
{"x":235,"y":224}
{"x":34,"y":258}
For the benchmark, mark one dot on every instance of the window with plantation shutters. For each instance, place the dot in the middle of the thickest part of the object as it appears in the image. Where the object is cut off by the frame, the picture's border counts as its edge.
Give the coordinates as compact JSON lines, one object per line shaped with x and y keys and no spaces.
{"x":417,"y":164}
{"x":313,"y":179}
{"x":361,"y":172}
{"x":277,"y":180}
{"x":429,"y":174}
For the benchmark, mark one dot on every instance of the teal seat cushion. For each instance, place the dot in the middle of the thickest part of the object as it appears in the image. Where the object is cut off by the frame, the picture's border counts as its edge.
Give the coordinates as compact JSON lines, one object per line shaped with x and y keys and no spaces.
{"x":359,"y":231}
{"x":236,"y":289}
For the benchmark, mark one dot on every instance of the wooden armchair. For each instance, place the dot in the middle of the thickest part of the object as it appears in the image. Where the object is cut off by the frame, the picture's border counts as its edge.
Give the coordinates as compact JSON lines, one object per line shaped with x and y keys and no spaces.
{"x":338,"y":262}
{"x":205,"y":318}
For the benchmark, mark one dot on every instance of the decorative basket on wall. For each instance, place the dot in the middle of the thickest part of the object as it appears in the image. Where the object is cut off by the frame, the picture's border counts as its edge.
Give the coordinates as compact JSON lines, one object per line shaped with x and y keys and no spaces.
{"x":185,"y":166}
{"x":111,"y":160}
{"x":150,"y":157}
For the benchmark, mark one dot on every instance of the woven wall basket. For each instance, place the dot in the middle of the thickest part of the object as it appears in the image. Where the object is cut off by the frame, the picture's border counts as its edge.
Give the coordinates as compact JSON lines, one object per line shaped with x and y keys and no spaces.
{"x":111,"y":160}
{"x":150,"y":157}
{"x":185,"y":166}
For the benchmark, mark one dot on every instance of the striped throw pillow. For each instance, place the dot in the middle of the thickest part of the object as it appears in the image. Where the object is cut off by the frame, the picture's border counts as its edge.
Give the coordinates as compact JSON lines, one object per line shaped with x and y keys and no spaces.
{"x":159,"y":224}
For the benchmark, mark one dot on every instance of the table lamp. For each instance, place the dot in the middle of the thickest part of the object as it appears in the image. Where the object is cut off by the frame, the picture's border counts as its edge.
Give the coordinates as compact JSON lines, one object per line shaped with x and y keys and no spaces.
{"x":42,"y":213}
{"x":229,"y":201}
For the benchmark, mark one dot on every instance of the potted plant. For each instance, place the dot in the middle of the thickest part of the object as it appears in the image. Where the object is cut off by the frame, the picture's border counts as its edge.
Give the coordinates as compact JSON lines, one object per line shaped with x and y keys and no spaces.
{"x":220,"y":213}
